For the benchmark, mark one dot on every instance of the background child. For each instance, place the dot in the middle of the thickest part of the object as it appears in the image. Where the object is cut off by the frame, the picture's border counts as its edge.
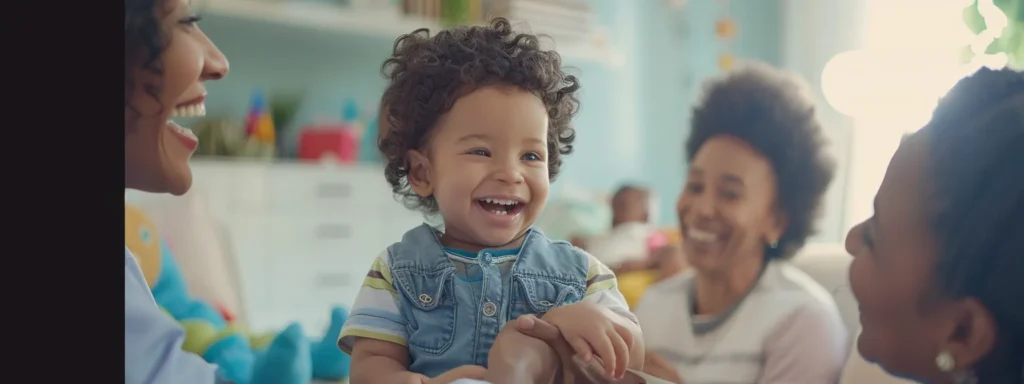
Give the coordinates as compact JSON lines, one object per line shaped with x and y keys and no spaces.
{"x":625,"y":245}
{"x":477,"y":121}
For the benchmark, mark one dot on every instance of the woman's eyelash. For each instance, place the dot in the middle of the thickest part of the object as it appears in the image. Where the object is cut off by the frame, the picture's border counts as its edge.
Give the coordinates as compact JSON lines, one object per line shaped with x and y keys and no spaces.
{"x":192,"y":19}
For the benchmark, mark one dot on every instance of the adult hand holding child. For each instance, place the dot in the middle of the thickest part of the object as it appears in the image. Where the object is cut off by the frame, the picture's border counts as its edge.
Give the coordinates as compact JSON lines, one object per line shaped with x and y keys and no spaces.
{"x":568,"y":371}
{"x":590,"y":331}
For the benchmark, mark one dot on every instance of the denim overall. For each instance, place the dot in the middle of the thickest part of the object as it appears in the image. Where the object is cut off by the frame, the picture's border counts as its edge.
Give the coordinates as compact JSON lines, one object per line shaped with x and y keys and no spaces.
{"x":449,"y":321}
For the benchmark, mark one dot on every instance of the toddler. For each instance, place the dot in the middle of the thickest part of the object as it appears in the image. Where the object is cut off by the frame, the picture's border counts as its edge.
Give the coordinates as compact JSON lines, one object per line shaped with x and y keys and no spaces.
{"x":475,"y":123}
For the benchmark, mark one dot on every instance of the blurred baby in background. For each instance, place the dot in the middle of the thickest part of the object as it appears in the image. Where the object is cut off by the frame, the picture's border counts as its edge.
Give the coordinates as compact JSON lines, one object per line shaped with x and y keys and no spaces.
{"x":626,"y":244}
{"x":638,"y":252}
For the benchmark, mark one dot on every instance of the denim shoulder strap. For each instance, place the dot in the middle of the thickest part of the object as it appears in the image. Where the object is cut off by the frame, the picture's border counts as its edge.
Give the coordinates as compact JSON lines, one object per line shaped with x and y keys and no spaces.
{"x":418,"y":250}
{"x":555,"y":260}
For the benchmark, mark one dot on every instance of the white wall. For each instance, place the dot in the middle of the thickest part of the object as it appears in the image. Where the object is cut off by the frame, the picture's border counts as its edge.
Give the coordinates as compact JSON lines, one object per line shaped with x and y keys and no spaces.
{"x":812,"y":32}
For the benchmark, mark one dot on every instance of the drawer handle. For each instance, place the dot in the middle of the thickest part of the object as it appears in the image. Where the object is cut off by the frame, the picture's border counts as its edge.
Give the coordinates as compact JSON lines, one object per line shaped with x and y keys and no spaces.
{"x":333,"y":191}
{"x":332,"y":280}
{"x":333,"y":231}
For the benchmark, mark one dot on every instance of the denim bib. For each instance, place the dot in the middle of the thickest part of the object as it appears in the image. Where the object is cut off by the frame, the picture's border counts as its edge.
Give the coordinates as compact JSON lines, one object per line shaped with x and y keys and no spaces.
{"x":448,"y":324}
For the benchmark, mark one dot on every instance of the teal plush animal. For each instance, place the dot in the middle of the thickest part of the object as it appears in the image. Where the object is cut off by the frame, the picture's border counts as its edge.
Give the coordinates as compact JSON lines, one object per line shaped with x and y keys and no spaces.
{"x":288,"y":358}
{"x":285,"y":358}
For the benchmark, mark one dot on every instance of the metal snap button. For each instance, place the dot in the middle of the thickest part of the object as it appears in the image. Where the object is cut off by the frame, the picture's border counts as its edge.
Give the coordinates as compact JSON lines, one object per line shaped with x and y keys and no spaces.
{"x":425,"y":298}
{"x":487,"y":257}
{"x":490,"y":309}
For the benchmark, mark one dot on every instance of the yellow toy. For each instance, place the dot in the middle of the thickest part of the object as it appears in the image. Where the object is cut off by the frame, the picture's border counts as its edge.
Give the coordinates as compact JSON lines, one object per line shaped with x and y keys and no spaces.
{"x":664,"y":260}
{"x":141,"y":238}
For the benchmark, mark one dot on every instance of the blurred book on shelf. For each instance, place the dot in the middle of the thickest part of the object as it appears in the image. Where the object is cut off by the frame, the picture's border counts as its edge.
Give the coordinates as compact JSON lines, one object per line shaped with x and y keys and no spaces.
{"x":565,"y":21}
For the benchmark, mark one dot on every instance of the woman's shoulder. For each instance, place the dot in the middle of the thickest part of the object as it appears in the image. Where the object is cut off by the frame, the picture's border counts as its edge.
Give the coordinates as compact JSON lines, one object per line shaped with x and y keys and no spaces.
{"x":785,"y":294}
{"x":782,"y":280}
{"x":678,"y":285}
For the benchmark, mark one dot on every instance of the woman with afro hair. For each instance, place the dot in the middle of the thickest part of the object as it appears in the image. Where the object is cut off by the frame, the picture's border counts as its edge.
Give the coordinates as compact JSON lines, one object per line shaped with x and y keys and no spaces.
{"x":758,"y":169}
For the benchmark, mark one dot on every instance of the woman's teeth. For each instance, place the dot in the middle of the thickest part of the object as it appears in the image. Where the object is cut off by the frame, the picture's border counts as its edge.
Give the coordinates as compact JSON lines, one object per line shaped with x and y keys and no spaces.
{"x":194,"y":110}
{"x":182,"y":130}
{"x":701,"y":236}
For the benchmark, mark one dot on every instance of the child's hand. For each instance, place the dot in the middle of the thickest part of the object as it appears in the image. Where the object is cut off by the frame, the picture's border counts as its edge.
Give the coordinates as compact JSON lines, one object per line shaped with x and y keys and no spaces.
{"x":593,"y":330}
{"x":464,"y":372}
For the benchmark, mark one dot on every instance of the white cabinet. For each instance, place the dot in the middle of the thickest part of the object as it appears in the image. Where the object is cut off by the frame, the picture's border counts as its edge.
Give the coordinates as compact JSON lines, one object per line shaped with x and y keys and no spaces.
{"x":302,"y":236}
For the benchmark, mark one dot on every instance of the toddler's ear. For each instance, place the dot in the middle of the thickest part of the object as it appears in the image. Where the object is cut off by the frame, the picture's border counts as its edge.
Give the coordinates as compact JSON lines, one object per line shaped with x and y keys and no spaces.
{"x":419,"y":173}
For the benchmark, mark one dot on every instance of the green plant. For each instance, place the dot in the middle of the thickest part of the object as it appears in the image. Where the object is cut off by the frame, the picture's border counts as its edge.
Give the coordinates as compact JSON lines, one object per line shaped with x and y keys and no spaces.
{"x":283,"y":108}
{"x":1010,"y":41}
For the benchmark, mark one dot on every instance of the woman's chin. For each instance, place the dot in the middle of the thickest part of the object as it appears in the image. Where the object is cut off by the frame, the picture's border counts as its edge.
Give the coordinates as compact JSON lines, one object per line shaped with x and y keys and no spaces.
{"x":178,"y":180}
{"x":180,"y":187}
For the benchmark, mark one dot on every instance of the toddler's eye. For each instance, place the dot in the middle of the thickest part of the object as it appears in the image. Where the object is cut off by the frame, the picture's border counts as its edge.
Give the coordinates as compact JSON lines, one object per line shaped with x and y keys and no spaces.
{"x":480,"y":152}
{"x":531,"y":157}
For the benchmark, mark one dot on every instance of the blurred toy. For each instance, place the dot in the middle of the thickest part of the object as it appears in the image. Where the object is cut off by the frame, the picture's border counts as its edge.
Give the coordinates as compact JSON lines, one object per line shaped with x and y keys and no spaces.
{"x":664,"y":260}
{"x":141,"y":238}
{"x":243,"y":358}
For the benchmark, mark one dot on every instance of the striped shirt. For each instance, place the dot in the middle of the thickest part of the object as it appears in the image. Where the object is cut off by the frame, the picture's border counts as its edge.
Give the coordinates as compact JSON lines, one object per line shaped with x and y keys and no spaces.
{"x":376,"y":313}
{"x":785,"y":330}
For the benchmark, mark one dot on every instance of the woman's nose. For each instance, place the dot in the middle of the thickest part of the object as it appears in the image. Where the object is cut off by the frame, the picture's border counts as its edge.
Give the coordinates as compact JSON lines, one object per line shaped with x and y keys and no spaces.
{"x":215,"y":64}
{"x":852,"y":243}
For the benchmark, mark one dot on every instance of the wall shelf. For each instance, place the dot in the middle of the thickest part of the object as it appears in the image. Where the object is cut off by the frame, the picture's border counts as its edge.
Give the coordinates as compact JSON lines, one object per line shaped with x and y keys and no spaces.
{"x":383,"y":23}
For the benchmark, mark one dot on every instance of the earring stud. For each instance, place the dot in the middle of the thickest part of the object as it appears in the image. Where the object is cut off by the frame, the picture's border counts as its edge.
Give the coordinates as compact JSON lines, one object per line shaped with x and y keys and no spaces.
{"x":945,"y":361}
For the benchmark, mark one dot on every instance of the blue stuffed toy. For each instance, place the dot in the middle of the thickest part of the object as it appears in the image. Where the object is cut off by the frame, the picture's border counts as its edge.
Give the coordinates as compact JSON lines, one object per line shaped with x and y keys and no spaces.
{"x":286,"y":358}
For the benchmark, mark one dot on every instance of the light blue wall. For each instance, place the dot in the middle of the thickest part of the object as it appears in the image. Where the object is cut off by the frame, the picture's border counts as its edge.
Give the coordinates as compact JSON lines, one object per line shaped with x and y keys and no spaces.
{"x":681,"y":52}
{"x":633,"y":118}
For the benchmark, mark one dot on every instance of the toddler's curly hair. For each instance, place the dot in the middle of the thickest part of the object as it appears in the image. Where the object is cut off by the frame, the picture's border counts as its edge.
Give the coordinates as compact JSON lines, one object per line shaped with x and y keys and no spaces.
{"x":427,"y":74}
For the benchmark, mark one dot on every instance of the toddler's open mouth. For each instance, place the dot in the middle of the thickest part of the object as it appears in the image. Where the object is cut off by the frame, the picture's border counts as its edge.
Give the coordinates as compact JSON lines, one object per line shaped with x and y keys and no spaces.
{"x":501,"y":207}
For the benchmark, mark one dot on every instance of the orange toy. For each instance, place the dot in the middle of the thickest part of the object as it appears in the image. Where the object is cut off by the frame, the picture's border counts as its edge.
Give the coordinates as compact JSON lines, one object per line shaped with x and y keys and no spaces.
{"x":725,"y":28}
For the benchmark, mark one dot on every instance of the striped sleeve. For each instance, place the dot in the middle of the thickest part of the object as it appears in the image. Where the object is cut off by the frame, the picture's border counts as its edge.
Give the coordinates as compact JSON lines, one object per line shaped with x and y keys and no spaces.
{"x":375,"y":314}
{"x":603,"y":289}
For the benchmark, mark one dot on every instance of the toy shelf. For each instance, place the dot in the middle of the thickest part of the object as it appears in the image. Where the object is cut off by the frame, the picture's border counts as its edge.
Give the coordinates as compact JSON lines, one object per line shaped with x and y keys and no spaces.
{"x":385,"y":23}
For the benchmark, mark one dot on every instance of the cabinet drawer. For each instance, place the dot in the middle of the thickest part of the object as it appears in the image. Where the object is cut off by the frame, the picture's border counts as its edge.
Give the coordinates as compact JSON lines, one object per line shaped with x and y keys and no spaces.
{"x":317,"y":189}
{"x":312,"y":238}
{"x":292,"y":187}
{"x":317,"y":286}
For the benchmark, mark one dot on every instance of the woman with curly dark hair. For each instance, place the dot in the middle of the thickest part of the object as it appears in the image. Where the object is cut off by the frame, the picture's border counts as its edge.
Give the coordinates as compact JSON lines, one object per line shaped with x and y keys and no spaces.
{"x":477,"y":122}
{"x":758,"y":169}
{"x":167,"y":59}
{"x":937,"y":269}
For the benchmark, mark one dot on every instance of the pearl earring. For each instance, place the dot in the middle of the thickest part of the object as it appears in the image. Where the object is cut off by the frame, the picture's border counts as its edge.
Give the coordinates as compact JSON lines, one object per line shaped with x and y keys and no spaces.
{"x":945,"y":362}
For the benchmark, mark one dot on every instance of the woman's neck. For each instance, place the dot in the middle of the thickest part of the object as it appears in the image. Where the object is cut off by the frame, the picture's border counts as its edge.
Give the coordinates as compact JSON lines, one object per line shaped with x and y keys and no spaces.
{"x":716,"y":292}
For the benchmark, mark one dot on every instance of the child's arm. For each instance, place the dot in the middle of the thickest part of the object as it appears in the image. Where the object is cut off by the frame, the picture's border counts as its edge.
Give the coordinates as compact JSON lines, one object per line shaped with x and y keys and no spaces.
{"x":376,"y":361}
{"x":603,"y":290}
{"x":374,"y":334}
{"x":602,"y":324}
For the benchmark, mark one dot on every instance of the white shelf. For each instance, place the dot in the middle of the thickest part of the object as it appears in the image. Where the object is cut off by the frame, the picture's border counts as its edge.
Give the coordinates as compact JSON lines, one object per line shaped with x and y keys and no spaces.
{"x":383,"y":23}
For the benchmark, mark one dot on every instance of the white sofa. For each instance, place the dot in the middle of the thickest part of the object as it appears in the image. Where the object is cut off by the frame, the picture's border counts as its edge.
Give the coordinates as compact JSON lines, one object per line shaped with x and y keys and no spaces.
{"x":829,"y":265}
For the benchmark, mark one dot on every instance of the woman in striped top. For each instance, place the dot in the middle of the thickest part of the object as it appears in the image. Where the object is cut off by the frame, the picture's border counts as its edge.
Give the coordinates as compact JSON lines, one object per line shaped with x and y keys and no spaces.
{"x":741,"y":313}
